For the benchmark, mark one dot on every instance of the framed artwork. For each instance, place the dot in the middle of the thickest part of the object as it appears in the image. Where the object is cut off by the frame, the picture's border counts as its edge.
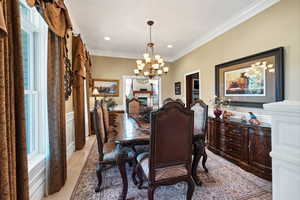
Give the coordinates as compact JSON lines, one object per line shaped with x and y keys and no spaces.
{"x":106,"y":88}
{"x":178,"y":88}
{"x":252,"y":81}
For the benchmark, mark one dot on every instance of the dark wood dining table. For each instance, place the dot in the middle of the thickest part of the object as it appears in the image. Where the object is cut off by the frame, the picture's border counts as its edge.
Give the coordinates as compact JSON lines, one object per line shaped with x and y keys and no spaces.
{"x":132,"y":132}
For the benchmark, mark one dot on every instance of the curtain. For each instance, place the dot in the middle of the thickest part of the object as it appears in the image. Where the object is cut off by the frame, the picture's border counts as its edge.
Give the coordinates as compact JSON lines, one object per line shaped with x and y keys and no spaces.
{"x":57,"y":164}
{"x":79,"y":60}
{"x":13,"y":153}
{"x":88,"y":65}
{"x":57,"y":17}
{"x":55,"y":14}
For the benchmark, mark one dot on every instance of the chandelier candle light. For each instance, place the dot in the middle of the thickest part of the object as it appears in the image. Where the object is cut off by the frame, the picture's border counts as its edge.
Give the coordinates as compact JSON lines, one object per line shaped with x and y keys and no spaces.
{"x":153,"y":65}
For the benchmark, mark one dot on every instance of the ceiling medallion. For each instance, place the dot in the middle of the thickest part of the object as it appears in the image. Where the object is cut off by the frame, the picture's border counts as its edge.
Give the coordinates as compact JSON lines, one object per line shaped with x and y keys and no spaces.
{"x":153,"y":65}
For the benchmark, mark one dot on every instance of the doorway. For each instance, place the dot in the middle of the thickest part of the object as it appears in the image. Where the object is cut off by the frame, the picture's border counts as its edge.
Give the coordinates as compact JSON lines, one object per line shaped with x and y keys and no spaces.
{"x":192,"y":88}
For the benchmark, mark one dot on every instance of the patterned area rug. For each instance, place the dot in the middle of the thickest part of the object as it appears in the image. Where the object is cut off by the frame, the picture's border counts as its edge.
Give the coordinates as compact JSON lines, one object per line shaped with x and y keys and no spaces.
{"x":225,"y":181}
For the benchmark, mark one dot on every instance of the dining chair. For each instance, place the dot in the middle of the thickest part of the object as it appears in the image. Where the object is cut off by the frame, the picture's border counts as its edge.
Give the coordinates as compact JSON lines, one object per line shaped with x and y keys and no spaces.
{"x":108,"y":152}
{"x":107,"y":126}
{"x":134,"y":107}
{"x":200,"y":128}
{"x":180,"y":101}
{"x":170,"y":157}
{"x":168,"y":100}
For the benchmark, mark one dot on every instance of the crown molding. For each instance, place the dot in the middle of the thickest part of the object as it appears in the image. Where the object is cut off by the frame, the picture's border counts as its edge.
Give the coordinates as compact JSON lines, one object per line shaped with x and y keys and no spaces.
{"x":97,"y":52}
{"x":115,"y":54}
{"x":241,"y":17}
{"x":252,"y":10}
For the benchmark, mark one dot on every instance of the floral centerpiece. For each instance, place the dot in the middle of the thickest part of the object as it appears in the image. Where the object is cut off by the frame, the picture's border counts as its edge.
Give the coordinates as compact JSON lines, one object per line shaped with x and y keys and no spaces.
{"x":219,"y":104}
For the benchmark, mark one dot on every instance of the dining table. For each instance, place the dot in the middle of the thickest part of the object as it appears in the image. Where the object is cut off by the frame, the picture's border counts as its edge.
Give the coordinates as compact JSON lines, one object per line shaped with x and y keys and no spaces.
{"x":133,"y":132}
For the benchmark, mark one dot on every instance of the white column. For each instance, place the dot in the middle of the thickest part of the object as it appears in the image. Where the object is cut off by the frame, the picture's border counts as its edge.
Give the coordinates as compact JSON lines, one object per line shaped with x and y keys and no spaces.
{"x":285,"y":149}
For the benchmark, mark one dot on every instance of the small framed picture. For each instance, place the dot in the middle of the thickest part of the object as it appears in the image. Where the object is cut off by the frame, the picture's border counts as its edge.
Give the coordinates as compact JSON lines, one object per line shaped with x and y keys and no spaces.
{"x":106,"y":88}
{"x":178,"y":88}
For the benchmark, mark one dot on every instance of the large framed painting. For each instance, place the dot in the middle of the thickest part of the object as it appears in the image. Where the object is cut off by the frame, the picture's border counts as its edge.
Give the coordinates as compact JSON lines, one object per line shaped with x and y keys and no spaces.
{"x":106,"y":88}
{"x":252,"y":81}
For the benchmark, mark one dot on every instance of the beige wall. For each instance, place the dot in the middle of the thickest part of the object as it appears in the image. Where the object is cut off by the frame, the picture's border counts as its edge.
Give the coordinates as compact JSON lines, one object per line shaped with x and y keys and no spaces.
{"x":116,"y":68}
{"x":277,"y":26}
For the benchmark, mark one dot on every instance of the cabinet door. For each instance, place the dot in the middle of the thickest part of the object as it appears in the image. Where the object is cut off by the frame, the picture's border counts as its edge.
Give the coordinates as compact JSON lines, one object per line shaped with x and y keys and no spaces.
{"x":211,"y":133}
{"x":260,"y":148}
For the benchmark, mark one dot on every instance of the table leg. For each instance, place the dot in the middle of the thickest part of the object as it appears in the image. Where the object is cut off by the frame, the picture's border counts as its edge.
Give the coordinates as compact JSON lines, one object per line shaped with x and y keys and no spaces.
{"x":197,"y":156}
{"x":121,"y":162}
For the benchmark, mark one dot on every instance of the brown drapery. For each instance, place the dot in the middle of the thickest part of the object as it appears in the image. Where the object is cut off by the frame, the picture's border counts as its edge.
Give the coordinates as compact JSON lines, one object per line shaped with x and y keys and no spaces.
{"x":79,"y":60}
{"x":13,"y":153}
{"x":88,"y":66}
{"x":56,"y":114}
{"x":55,"y":14}
{"x":57,"y":17}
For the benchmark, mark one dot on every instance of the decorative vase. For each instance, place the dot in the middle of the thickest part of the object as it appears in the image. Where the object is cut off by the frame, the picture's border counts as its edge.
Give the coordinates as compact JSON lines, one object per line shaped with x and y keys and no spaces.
{"x":217,"y":112}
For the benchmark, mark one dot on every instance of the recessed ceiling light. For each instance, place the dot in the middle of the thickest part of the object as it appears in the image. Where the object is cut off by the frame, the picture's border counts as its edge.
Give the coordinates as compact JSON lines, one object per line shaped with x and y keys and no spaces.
{"x":170,"y":46}
{"x":106,"y":38}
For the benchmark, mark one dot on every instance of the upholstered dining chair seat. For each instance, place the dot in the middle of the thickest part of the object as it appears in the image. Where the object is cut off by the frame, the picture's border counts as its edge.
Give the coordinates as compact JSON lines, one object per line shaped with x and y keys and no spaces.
{"x":162,"y":173}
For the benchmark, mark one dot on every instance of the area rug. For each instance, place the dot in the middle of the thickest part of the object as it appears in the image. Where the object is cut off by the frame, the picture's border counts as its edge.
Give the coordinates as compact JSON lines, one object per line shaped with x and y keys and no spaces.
{"x":225,"y":181}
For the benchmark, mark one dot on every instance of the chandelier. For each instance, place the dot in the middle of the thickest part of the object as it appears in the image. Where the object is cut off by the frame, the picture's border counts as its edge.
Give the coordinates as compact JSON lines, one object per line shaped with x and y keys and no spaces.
{"x":153,"y":65}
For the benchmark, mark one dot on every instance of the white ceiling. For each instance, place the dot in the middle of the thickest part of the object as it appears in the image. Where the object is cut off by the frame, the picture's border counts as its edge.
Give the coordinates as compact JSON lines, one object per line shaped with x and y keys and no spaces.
{"x":185,"y":24}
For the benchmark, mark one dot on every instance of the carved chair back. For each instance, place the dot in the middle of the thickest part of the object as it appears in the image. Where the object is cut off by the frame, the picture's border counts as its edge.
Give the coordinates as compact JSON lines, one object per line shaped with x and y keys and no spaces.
{"x":134,"y":106}
{"x":168,"y":100}
{"x":171,"y":142}
{"x":105,"y":117}
{"x":180,"y":101}
{"x":200,"y":116}
{"x":99,"y":128}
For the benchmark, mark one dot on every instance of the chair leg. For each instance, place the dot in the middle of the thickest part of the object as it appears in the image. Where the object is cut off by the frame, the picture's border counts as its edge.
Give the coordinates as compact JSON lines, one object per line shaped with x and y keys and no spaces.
{"x":133,"y":176}
{"x":99,"y":176}
{"x":140,"y":176}
{"x":204,"y":160}
{"x":151,"y":190}
{"x":197,"y":157}
{"x":191,"y":188}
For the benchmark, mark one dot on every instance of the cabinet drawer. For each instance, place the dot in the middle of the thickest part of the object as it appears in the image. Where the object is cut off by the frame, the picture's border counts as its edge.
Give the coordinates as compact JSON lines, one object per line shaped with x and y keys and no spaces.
{"x":231,"y":141}
{"x":229,"y":147}
{"x":233,"y":152}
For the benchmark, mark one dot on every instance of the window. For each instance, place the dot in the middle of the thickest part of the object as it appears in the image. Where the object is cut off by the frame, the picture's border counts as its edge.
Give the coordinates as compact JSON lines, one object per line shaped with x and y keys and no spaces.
{"x":34,"y":51}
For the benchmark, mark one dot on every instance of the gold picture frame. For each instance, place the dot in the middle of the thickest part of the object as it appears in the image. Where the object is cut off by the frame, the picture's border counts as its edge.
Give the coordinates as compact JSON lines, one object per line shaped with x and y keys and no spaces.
{"x":106,"y":87}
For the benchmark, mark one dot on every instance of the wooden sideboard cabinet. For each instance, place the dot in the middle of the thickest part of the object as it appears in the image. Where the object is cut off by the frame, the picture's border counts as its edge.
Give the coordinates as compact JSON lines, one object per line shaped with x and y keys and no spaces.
{"x":246,"y":145}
